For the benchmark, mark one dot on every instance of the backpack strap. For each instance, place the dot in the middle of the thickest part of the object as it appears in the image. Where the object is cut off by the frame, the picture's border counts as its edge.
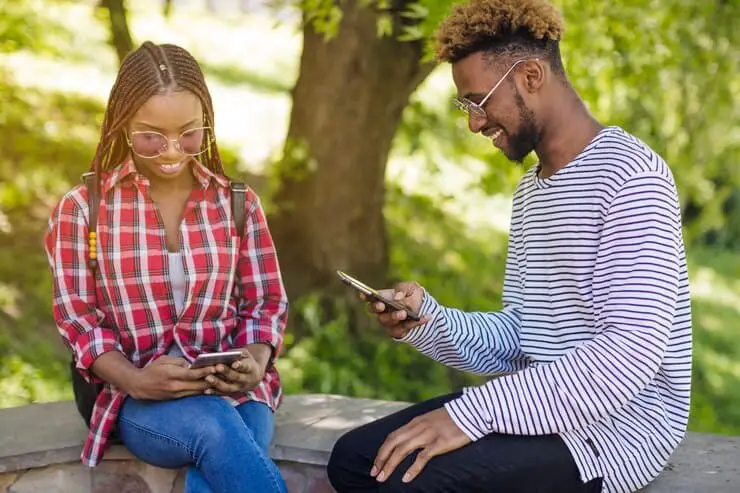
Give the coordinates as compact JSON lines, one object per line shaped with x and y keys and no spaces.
{"x":238,"y":205}
{"x":93,"y":202}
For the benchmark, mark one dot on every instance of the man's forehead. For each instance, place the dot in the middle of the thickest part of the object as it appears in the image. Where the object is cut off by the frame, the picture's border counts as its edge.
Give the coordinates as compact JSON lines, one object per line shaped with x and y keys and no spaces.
{"x":474,"y":74}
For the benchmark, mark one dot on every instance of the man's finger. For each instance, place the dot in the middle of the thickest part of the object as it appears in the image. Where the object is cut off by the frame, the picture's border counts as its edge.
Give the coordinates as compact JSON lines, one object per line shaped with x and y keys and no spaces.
{"x":408,"y":288}
{"x":387,"y":319}
{"x":421,"y":460}
{"x":377,"y":307}
{"x":402,"y":450}
{"x":412,"y":324}
{"x":384,"y":452}
{"x":386,"y":293}
{"x":396,"y":439}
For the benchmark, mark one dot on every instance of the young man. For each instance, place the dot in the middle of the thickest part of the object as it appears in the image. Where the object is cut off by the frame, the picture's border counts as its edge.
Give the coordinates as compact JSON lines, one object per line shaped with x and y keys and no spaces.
{"x":594,"y":338}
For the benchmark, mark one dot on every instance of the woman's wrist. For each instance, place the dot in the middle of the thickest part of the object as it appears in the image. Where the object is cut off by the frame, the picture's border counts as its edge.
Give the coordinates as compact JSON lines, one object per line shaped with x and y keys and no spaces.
{"x":262,"y":353}
{"x":116,"y":369}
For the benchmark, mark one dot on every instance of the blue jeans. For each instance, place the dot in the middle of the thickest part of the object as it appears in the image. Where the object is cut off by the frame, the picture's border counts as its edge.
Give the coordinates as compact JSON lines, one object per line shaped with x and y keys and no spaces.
{"x":225,"y":446}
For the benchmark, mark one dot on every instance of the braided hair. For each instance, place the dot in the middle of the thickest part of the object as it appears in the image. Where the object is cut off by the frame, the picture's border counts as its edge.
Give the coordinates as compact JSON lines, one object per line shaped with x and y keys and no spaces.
{"x":149,"y":70}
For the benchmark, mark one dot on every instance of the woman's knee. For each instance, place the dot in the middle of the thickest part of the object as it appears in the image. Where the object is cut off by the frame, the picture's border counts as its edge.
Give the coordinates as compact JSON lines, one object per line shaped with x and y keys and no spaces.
{"x":260,"y":420}
{"x":216,"y":426}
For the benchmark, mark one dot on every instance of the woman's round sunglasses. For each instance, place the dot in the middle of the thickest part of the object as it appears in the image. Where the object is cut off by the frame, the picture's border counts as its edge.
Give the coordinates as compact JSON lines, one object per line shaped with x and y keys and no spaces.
{"x":150,"y":144}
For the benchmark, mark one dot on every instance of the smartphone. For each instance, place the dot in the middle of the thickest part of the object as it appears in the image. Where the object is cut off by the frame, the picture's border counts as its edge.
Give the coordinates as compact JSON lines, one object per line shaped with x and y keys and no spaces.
{"x":390,"y":305}
{"x":212,"y":359}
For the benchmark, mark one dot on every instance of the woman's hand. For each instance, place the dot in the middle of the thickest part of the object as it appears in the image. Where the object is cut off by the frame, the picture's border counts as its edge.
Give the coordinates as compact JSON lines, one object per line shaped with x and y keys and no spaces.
{"x":168,"y":378}
{"x":243,"y":375}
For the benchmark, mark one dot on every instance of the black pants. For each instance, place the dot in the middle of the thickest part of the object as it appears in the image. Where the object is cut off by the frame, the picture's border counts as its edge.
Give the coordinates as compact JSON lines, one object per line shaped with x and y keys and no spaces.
{"x":493,"y":464}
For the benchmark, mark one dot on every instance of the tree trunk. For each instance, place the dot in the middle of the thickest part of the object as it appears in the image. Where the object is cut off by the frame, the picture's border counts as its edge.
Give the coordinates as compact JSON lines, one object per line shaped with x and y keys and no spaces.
{"x":120,"y":36}
{"x":347,"y":104}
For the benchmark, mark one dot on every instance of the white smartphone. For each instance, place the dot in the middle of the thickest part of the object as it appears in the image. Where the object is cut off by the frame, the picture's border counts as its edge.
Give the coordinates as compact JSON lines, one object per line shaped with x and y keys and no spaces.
{"x":390,"y":305}
{"x":212,"y":359}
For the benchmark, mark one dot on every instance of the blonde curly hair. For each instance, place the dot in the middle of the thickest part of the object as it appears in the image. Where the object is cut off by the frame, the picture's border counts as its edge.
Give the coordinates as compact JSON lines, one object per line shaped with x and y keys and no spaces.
{"x":499,"y":26}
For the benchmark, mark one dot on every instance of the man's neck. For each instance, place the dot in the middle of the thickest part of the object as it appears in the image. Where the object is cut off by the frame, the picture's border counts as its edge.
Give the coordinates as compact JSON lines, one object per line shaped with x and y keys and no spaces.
{"x":569,"y":130}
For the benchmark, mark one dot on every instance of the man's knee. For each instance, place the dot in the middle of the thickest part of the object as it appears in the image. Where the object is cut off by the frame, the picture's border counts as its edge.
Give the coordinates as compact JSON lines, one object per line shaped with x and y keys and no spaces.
{"x":347,"y":468}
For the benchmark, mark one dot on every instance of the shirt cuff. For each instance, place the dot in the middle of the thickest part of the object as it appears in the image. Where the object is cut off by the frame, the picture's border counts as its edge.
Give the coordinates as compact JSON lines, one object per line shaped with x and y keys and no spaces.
{"x":429,"y":307}
{"x":466,"y":411}
{"x":260,"y":334}
{"x":90,"y":346}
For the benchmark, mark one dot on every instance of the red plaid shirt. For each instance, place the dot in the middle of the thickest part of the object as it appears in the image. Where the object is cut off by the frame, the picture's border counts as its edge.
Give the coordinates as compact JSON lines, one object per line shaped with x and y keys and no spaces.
{"x":235,"y":295}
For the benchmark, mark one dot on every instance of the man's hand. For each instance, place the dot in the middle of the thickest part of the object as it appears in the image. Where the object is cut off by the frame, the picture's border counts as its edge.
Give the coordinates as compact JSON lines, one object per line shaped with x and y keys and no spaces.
{"x":396,"y":322}
{"x":243,"y":375}
{"x":168,"y":378}
{"x":434,"y":433}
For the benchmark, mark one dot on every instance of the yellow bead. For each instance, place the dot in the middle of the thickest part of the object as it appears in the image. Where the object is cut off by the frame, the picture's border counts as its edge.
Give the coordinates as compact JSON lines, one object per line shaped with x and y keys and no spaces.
{"x":93,"y":256}
{"x":92,"y":242}
{"x":93,"y":235}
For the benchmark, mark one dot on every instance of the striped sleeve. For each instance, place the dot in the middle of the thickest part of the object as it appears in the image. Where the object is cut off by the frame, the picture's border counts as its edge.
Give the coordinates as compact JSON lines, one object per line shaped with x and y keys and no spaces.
{"x":482,"y":343}
{"x":80,"y":323}
{"x":636,"y":284}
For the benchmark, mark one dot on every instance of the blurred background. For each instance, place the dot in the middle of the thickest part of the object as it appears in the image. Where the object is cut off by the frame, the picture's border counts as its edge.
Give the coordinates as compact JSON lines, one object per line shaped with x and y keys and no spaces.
{"x":333,"y":113}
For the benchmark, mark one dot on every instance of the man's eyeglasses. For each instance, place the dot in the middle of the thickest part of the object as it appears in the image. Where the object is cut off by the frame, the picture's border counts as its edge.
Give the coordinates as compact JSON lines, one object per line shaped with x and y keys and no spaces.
{"x":149,"y":144}
{"x":476,"y":110}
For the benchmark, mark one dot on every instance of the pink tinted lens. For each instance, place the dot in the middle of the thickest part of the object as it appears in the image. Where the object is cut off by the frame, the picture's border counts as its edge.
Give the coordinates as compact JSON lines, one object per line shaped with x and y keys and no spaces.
{"x":148,"y":143}
{"x":191,"y":141}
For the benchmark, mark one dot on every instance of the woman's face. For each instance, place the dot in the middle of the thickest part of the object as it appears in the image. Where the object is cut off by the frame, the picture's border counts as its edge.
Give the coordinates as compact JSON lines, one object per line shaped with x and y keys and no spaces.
{"x":176,"y":117}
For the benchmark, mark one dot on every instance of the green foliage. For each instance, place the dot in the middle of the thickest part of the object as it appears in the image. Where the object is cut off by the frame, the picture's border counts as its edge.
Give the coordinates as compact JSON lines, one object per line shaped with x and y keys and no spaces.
{"x":48,"y":137}
{"x":324,"y":15}
{"x":431,"y":247}
{"x":335,"y":359}
{"x":23,"y":28}
{"x":715,"y":277}
{"x":665,"y":70}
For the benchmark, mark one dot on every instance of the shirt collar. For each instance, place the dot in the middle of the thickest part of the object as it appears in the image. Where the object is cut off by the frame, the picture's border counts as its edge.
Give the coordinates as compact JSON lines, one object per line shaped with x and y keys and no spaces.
{"x":127,"y":170}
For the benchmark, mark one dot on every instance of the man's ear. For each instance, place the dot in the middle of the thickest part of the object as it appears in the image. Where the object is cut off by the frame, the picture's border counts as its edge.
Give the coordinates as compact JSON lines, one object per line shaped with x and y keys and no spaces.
{"x":534,"y":75}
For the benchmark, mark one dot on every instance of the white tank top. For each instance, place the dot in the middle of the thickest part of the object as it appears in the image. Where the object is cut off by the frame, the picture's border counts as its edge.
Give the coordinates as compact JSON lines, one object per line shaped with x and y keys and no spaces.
{"x":177,"y":279}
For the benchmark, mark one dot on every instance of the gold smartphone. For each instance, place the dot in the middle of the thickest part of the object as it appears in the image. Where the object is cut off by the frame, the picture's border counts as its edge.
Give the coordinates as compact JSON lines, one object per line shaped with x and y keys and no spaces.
{"x":372,"y":294}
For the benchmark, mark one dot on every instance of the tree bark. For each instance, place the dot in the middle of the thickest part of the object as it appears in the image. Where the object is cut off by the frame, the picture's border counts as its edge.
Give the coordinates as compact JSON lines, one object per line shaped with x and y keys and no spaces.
{"x":347,"y":104}
{"x":120,"y":35}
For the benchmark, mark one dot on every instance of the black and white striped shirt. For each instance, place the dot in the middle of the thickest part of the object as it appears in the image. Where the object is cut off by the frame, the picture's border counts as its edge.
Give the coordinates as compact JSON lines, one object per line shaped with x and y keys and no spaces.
{"x":595,"y":333}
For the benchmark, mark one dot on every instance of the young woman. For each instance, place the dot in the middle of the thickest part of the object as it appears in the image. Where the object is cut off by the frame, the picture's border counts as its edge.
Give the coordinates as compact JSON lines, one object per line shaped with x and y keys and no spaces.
{"x":160,"y":276}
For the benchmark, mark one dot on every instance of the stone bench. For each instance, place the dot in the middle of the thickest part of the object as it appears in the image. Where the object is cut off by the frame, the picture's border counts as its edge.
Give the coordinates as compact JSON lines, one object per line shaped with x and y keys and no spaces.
{"x":40,"y":446}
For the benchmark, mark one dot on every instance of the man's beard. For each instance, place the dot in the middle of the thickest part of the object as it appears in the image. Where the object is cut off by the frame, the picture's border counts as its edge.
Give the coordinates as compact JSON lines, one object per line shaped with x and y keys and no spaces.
{"x":526,"y":138}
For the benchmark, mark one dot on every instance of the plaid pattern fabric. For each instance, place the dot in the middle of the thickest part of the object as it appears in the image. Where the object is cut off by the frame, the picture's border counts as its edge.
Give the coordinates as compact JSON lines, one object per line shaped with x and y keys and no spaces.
{"x":235,"y":295}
